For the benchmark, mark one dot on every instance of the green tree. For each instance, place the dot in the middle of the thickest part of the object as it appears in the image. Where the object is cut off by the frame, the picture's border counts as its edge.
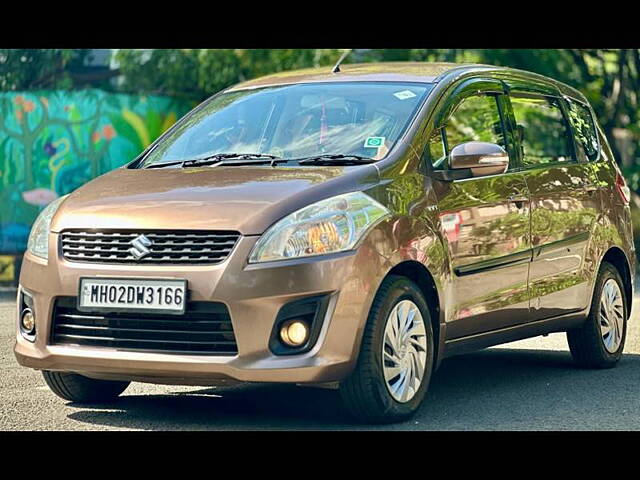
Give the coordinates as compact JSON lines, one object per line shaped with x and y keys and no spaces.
{"x":37,"y":69}
{"x":196,"y":74}
{"x":26,"y":69}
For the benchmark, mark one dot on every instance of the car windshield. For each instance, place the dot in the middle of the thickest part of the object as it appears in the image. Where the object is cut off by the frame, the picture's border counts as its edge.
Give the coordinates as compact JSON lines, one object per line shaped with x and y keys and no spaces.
{"x":295,"y":121}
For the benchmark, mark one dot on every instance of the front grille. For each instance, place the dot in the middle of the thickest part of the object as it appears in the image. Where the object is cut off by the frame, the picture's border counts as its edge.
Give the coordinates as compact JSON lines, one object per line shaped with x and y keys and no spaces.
{"x":168,"y":246}
{"x":205,"y":328}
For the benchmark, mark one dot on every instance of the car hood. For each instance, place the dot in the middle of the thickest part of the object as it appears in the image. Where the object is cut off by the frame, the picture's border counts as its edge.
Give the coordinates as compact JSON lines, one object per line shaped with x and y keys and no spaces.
{"x":246,"y":199}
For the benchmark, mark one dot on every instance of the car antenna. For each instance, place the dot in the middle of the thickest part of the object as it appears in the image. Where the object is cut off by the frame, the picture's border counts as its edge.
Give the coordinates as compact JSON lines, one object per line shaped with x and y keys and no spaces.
{"x":336,"y":67}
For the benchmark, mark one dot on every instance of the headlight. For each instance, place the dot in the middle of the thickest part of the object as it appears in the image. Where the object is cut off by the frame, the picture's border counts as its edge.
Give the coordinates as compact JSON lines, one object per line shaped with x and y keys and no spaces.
{"x":38,"y":243}
{"x":332,"y":225}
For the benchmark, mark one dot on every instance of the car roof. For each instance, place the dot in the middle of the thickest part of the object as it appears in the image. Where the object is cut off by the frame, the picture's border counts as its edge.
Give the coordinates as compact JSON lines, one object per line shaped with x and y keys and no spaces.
{"x":384,"y":71}
{"x":420,"y":72}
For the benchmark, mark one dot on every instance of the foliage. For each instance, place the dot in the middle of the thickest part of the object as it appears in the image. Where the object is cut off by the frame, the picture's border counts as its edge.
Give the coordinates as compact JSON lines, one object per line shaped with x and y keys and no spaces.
{"x":197,"y":74}
{"x":31,"y":69}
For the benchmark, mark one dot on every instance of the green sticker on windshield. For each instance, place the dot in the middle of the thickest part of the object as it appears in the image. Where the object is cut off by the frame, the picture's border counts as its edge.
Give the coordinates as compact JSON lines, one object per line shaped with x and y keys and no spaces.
{"x":374,"y":142}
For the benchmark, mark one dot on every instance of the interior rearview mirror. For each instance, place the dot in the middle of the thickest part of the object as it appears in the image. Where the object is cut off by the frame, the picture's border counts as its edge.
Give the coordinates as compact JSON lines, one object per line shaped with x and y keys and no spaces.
{"x":481,"y":158}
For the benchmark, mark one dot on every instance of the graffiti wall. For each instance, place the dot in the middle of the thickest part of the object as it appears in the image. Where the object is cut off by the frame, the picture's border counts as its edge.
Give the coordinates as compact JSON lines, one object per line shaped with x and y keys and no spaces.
{"x":51,"y":142}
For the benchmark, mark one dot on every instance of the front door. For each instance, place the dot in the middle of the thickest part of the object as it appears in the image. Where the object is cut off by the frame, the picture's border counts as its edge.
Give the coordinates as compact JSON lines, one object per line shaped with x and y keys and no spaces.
{"x":485,"y":223}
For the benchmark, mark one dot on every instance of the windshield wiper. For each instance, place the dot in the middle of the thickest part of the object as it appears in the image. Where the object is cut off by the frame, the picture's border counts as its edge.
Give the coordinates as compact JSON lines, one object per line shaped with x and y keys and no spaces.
{"x":242,"y":159}
{"x":337,"y":159}
{"x":239,"y":159}
{"x":220,"y":159}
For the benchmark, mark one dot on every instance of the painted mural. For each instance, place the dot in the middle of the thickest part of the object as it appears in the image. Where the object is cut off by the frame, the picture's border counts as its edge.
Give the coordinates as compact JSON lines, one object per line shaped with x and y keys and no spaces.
{"x":51,"y":142}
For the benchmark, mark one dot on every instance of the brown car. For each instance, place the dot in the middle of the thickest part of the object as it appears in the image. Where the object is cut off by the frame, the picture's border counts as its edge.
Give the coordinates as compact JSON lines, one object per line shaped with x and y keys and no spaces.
{"x":347,"y":230}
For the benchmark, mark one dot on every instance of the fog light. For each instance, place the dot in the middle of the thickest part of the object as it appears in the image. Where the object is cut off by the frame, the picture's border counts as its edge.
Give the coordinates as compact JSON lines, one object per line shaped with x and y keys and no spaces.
{"x":28,"y":321}
{"x":294,"y":333}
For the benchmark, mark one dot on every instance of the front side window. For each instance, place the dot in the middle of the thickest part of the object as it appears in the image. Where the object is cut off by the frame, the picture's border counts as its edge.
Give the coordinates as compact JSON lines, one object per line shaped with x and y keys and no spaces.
{"x":584,"y":130}
{"x":542,"y":131}
{"x":476,"y":118}
{"x":437,"y":150}
{"x":296,"y":121}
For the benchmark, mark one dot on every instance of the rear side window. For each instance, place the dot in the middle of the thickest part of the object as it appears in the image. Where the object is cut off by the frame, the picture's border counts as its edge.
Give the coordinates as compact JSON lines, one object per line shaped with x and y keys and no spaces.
{"x":584,"y":130}
{"x":543,"y":133}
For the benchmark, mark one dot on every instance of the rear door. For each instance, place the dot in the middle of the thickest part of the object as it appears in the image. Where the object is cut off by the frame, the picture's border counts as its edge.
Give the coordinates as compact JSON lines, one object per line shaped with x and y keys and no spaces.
{"x":484,"y":220}
{"x":563,"y":202}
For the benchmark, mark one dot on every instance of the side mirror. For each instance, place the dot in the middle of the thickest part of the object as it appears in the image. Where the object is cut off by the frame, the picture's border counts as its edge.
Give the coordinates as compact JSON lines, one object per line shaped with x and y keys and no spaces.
{"x":481,"y":158}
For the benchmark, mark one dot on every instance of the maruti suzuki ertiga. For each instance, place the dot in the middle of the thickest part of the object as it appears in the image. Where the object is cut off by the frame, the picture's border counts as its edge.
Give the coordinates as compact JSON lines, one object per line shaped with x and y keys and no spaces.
{"x":347,"y":230}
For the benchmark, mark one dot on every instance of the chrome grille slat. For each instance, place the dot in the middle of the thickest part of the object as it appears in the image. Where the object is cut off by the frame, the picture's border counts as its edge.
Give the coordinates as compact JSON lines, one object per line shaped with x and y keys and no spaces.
{"x":123,"y":243}
{"x":180,"y":250}
{"x":170,"y":246}
{"x":89,"y":234}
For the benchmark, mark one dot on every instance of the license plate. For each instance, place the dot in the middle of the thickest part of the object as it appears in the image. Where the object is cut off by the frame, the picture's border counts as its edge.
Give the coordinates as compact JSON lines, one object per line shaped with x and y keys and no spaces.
{"x":130,"y":294}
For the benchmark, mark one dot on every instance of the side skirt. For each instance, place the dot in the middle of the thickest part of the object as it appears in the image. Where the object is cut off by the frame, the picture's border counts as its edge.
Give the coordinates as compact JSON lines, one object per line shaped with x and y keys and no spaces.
{"x":517,"y":332}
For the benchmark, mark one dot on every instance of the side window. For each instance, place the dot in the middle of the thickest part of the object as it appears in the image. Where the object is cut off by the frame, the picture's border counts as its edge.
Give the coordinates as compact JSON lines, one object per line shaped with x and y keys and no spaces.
{"x":476,"y":118}
{"x":437,"y":149}
{"x":542,"y":130}
{"x":584,"y":130}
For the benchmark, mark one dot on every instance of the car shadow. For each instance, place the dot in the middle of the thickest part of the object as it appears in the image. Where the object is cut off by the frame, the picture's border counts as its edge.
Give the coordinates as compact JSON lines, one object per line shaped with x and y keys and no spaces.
{"x":248,"y":406}
{"x":494,"y":389}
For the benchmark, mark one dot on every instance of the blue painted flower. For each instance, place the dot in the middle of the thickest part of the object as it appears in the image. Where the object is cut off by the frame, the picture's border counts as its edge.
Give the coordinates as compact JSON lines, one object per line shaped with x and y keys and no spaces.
{"x":49,"y":149}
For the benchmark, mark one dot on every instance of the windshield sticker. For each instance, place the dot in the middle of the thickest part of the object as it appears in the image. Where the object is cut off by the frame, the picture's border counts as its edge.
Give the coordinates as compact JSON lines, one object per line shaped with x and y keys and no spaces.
{"x":404,"y":94}
{"x":374,"y":142}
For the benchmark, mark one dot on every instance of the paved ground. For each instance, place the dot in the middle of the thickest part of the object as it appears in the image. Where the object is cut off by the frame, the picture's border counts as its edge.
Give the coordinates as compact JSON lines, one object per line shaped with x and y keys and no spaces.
{"x":526,"y":385}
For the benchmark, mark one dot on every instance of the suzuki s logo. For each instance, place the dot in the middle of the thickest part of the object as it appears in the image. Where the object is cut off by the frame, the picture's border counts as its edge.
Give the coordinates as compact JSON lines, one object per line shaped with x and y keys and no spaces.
{"x":139,"y":249}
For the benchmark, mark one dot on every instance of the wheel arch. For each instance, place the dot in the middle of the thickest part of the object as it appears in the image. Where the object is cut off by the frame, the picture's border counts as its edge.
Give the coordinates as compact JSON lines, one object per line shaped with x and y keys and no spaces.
{"x":422,"y":277}
{"x":616,"y":256}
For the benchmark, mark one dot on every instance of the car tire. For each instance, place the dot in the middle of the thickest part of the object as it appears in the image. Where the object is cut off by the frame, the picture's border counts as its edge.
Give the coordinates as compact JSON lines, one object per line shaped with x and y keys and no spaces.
{"x":589,"y":346}
{"x":80,"y":389}
{"x":366,"y":393}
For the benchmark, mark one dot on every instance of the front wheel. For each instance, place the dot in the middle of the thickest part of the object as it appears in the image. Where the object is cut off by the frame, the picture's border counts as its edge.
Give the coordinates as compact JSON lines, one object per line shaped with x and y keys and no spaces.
{"x":76,"y":388}
{"x":599,"y":342}
{"x":395,"y":362}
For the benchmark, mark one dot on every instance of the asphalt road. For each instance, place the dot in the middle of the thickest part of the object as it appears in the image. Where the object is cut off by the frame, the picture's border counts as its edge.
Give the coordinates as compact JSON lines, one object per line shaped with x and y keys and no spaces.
{"x":526,"y":385}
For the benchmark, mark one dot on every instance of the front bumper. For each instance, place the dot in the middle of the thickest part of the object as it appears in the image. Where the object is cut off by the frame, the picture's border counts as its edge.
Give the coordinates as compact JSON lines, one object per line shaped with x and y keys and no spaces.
{"x":253,"y":294}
